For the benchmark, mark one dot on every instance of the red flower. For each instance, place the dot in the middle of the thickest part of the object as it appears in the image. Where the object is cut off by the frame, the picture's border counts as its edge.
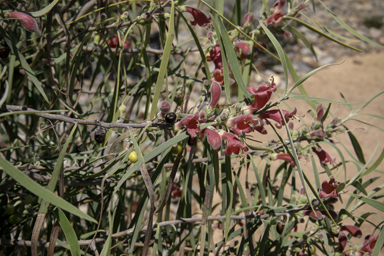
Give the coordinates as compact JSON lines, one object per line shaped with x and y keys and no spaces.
{"x":353,"y":230}
{"x":234,"y":145}
{"x":213,"y":138}
{"x":329,"y":188}
{"x":27,"y":21}
{"x":276,"y":116}
{"x":279,"y":4}
{"x":114,"y":42}
{"x":191,"y":122}
{"x":317,"y":133}
{"x":241,"y":124}
{"x":176,"y":191}
{"x":319,"y":112}
{"x":342,"y":241}
{"x":200,"y":18}
{"x":215,"y":94}
{"x":262,"y":95}
{"x":316,"y":215}
{"x":324,"y":157}
{"x":215,"y":56}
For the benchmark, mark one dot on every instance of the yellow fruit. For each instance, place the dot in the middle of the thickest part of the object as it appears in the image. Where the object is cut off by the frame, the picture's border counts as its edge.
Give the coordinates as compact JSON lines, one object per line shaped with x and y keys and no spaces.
{"x":312,"y":249}
{"x":133,"y":157}
{"x":177,"y":149}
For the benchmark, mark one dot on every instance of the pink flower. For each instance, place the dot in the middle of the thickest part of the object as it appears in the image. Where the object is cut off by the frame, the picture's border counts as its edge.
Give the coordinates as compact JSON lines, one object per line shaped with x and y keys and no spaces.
{"x":279,"y":4}
{"x":319,"y":112}
{"x":283,"y":156}
{"x":27,"y":21}
{"x":215,"y":94}
{"x":176,"y":192}
{"x":200,"y":18}
{"x":164,"y":107}
{"x":317,"y":133}
{"x":353,"y":230}
{"x":262,"y":95}
{"x":114,"y":42}
{"x":213,"y":138}
{"x":248,"y":19}
{"x":191,"y":122}
{"x":234,"y":145}
{"x":274,"y":18}
{"x":276,"y":116}
{"x":241,"y":124}
{"x":244,"y":50}
{"x":324,"y":157}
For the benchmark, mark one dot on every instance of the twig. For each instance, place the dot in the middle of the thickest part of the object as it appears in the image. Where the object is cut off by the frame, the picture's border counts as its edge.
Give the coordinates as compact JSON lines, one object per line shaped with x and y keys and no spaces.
{"x":12,"y":108}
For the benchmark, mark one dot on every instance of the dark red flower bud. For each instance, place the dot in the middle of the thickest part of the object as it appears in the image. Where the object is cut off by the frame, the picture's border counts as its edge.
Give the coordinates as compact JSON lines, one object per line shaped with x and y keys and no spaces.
{"x":27,"y":21}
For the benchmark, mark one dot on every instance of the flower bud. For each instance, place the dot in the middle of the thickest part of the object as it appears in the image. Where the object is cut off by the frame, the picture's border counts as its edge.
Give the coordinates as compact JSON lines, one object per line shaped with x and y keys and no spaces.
{"x":122,"y":109}
{"x":27,"y":21}
{"x":164,"y":107}
{"x":248,"y":19}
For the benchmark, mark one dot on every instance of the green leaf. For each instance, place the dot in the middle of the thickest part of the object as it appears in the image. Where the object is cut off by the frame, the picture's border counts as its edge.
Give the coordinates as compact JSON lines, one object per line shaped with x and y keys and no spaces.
{"x":372,"y":202}
{"x":379,"y":244}
{"x":299,"y":35}
{"x":308,"y":98}
{"x":351,"y":30}
{"x":232,"y":58}
{"x":38,"y":190}
{"x":356,"y":146}
{"x":56,"y":171}
{"x":24,"y":64}
{"x":320,"y":33}
{"x":45,"y":10}
{"x":280,"y":51}
{"x":164,"y":62}
{"x":69,"y":233}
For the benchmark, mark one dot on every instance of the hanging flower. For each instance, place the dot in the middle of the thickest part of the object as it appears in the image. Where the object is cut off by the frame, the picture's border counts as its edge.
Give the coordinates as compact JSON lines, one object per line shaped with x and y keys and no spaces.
{"x":215,"y":56}
{"x":324,"y":157}
{"x":200,"y":18}
{"x":248,"y":19}
{"x":234,"y":145}
{"x":283,"y":156}
{"x":215,"y":94}
{"x":242,"y":123}
{"x":369,"y":244}
{"x":353,"y":230}
{"x":213,"y":138}
{"x":243,"y":49}
{"x":274,"y":18}
{"x":27,"y":21}
{"x":276,"y":116}
{"x":328,"y":188}
{"x":191,"y":122}
{"x":262,"y":95}
{"x":279,"y":4}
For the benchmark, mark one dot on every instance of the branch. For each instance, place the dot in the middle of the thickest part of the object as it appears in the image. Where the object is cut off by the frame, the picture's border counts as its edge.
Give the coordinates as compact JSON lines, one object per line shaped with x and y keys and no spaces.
{"x":12,"y":108}
{"x":5,"y":242}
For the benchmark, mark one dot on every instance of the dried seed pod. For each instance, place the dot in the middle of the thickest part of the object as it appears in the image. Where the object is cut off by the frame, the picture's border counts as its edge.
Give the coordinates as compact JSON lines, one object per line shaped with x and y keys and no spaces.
{"x":170,"y":118}
{"x":100,"y":135}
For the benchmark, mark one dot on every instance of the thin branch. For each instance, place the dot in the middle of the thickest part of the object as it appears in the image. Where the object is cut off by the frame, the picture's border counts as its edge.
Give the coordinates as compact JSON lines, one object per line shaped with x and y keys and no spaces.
{"x":5,"y":242}
{"x":12,"y":108}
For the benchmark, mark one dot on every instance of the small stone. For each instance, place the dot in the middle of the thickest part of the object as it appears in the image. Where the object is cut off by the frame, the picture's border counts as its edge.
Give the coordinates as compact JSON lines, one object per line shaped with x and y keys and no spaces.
{"x":375,"y":33}
{"x":327,"y":60}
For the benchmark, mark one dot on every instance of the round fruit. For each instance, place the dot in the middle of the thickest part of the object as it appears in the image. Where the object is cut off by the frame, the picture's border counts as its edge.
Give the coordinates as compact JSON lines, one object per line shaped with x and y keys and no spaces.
{"x":133,"y":157}
{"x":28,"y":199}
{"x":170,"y":118}
{"x":14,"y":219}
{"x":312,"y":249}
{"x":9,"y":209}
{"x":177,"y":149}
{"x":4,"y":51}
{"x":191,"y":141}
{"x":100,"y":135}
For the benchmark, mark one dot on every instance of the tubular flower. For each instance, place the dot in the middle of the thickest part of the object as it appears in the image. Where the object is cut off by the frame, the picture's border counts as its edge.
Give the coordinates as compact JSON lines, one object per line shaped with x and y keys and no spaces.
{"x":215,"y":56}
{"x":317,"y":133}
{"x":244,"y":50}
{"x":276,"y":116}
{"x":283,"y":156}
{"x":274,"y":18}
{"x":342,"y":241}
{"x":191,"y":122}
{"x":215,"y":94}
{"x":248,"y":19}
{"x":315,"y":215}
{"x":328,"y":188}
{"x":241,"y":124}
{"x":200,"y":18}
{"x":262,"y":95}
{"x":234,"y":145}
{"x":324,"y":157}
{"x":369,"y":244}
{"x":213,"y":138}
{"x":353,"y":230}
{"x":279,"y":4}
{"x":27,"y":21}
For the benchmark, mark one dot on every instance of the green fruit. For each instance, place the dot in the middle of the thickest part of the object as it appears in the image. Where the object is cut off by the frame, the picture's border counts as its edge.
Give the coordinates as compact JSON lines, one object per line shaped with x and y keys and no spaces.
{"x":177,"y":149}
{"x":133,"y":157}
{"x":28,"y":199}
{"x":9,"y":209}
{"x":312,"y":249}
{"x":14,"y":219}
